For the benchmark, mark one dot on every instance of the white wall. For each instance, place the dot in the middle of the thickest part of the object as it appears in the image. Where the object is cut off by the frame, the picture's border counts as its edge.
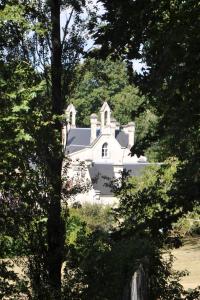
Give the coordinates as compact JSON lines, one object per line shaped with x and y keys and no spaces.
{"x":117,"y":156}
{"x":82,"y":155}
{"x":115,"y":152}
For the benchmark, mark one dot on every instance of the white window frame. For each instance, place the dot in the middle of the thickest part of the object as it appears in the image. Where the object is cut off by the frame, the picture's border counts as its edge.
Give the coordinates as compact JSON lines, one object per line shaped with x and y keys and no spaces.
{"x":104,"y":150}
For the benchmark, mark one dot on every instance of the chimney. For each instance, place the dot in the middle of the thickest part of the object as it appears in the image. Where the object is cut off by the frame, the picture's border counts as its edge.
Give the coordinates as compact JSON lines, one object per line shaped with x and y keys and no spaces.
{"x":113,"y":126}
{"x":131,"y":134}
{"x":93,"y":122}
{"x":98,"y":125}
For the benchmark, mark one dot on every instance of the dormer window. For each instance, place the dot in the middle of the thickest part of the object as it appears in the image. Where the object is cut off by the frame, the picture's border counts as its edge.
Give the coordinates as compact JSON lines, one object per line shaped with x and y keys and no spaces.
{"x":105,"y":150}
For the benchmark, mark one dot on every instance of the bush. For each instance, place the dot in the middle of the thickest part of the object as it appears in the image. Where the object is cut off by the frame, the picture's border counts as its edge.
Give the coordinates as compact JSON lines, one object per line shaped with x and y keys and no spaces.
{"x":96,"y":216}
{"x":189,"y":224}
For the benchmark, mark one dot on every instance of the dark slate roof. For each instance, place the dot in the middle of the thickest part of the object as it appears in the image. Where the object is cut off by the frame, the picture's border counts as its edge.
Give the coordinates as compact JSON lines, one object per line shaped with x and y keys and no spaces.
{"x":136,"y":168}
{"x":79,"y":138}
{"x":122,"y":138}
{"x":71,"y":148}
{"x":102,"y":174}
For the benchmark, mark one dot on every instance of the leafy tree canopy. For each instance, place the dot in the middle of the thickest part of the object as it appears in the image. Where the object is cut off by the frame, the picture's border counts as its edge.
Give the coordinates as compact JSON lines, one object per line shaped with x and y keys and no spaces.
{"x":164,"y":35}
{"x":104,"y":80}
{"x":31,"y":54}
{"x":98,"y":80}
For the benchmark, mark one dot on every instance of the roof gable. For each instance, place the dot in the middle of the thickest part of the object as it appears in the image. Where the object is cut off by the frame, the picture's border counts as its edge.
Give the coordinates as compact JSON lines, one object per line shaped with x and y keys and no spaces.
{"x":105,"y":107}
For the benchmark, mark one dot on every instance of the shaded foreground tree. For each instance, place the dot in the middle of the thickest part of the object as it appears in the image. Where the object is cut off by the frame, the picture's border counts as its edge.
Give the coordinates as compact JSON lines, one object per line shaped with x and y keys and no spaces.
{"x":164,"y":36}
{"x":55,"y":224}
{"x":103,"y":261}
{"x":31,"y":141}
{"x":31,"y":170}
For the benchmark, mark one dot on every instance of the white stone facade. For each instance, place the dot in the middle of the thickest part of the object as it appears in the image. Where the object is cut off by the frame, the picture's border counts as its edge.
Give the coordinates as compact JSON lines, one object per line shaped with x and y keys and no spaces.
{"x":103,"y":150}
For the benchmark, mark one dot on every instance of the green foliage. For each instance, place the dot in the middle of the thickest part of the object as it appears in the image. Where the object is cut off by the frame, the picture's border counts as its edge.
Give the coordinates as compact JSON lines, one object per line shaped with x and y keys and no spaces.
{"x":146,"y":134}
{"x":30,"y":140}
{"x":108,"y":265}
{"x":189,"y":224}
{"x":86,"y":231}
{"x":165,"y":36}
{"x":11,"y":246}
{"x":98,"y":262}
{"x":96,"y":216}
{"x":146,"y":203}
{"x":25,"y":117}
{"x":108,"y":80}
{"x":104,"y":80}
{"x":86,"y":219}
{"x":100,"y":265}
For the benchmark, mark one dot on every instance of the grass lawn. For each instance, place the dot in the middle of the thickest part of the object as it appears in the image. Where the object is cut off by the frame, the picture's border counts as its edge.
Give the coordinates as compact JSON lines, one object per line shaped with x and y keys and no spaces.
{"x":188,"y":257}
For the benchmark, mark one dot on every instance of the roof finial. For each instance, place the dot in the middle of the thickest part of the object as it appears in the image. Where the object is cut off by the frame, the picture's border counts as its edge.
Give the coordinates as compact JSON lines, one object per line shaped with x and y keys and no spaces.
{"x":105,"y":115}
{"x":71,"y":115}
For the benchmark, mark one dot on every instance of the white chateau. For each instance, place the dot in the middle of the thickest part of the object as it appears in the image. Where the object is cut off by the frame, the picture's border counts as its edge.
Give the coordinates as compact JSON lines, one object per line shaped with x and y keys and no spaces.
{"x":105,"y":150}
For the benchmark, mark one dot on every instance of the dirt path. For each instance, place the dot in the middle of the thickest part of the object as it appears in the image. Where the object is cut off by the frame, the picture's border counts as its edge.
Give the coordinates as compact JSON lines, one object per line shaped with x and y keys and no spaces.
{"x":188,"y":257}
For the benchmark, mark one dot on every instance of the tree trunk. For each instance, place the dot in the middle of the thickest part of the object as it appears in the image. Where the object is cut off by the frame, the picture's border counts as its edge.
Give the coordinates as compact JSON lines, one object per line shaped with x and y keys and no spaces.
{"x":55,"y":224}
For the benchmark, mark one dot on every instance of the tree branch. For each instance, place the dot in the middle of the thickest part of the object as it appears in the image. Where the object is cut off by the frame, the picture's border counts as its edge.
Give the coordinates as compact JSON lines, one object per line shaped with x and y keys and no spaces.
{"x":66,"y":27}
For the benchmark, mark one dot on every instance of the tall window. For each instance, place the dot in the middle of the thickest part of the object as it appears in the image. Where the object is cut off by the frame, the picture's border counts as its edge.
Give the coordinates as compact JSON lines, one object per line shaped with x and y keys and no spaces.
{"x":105,"y":150}
{"x":70,"y":117}
{"x":106,"y":118}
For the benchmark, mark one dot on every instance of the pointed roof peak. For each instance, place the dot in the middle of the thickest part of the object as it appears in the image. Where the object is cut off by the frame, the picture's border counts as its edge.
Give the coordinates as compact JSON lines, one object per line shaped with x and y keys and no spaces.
{"x":105,"y":106}
{"x":70,"y":108}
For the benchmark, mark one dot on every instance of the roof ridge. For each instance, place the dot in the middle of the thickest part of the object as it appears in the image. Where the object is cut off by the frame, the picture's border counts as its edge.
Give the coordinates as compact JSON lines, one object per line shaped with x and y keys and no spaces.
{"x":81,"y":128}
{"x":76,"y":145}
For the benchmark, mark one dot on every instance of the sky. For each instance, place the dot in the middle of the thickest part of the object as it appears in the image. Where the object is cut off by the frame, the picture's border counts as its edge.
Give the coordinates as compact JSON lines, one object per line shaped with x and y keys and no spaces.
{"x":137,"y":64}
